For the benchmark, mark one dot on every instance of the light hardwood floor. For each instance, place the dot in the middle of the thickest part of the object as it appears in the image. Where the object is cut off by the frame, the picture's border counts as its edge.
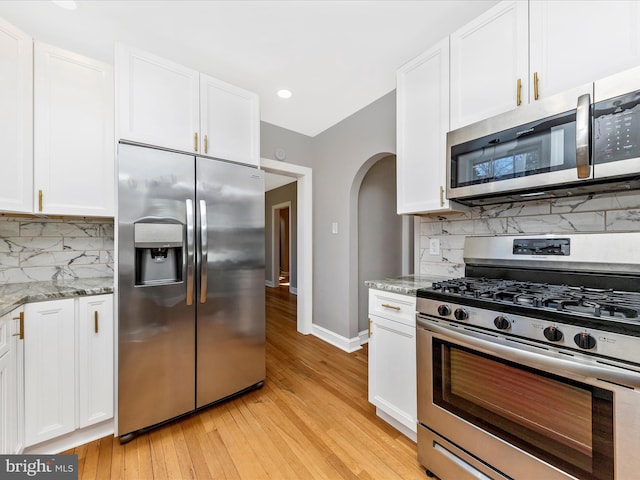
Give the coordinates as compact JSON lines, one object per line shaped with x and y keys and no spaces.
{"x":311,"y":420}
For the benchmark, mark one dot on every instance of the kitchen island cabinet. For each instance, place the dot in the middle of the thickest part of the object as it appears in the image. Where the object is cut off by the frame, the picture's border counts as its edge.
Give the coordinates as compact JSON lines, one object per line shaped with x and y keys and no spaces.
{"x":11,"y":383}
{"x":392,"y":359}
{"x":164,"y":104}
{"x":68,"y":356}
{"x":16,"y":119}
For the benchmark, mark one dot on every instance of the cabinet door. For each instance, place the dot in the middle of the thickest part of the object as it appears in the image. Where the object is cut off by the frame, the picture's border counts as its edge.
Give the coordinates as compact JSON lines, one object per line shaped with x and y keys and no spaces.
{"x":16,"y":439}
{"x":229,"y":122}
{"x":49,"y":364}
{"x":422,"y":125}
{"x":157,"y":100}
{"x":73,"y":134}
{"x":16,"y":119}
{"x":392,"y":369}
{"x":95,"y":359}
{"x":7,"y":386}
{"x":488,"y":57}
{"x":578,"y":42}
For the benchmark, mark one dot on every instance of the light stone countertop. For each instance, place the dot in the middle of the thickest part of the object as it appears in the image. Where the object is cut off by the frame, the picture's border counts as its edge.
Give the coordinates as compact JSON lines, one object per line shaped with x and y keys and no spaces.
{"x":405,"y":285}
{"x":15,"y":294}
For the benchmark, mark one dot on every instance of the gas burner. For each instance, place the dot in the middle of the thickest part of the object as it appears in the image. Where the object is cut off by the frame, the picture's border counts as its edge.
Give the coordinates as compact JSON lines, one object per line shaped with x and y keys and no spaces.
{"x":594,"y":302}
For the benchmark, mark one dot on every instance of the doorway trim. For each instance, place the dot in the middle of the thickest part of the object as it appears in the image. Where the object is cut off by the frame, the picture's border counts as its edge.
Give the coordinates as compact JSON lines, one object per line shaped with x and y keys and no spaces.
{"x":305,"y":238}
{"x":275,"y":243}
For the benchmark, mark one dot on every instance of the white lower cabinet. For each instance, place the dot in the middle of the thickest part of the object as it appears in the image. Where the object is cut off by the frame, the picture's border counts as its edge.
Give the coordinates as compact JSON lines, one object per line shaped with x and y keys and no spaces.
{"x":11,"y":384}
{"x":68,"y":365}
{"x":392,"y":359}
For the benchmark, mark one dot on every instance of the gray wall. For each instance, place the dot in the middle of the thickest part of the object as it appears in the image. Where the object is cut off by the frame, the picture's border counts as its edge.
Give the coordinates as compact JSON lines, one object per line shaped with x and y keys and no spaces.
{"x":379,"y":231}
{"x":340,"y":157}
{"x":298,"y":147}
{"x":286,"y":193}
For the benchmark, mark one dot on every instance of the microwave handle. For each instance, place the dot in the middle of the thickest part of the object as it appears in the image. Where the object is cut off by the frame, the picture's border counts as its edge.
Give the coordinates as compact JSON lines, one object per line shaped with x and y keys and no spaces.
{"x":583,"y":136}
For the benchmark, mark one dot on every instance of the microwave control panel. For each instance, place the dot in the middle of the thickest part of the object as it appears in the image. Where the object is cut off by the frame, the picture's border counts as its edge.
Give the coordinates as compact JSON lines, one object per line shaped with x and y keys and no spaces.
{"x":616,"y":128}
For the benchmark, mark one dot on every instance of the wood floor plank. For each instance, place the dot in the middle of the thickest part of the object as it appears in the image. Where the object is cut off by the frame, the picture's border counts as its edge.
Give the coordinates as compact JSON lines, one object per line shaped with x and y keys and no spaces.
{"x":310,"y":420}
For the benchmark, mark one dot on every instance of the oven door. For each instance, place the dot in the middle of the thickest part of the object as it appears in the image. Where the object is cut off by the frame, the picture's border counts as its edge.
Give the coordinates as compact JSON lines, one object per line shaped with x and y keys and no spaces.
{"x":490,"y":407}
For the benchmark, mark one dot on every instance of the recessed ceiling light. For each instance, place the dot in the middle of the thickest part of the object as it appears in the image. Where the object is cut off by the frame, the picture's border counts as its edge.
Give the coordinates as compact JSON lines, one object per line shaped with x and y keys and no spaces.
{"x":66,"y":4}
{"x":284,"y":93}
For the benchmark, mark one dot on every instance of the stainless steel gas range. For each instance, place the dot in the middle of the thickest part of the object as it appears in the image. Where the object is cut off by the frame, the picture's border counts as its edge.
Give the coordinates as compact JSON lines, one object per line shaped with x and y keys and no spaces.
{"x":529,"y":366}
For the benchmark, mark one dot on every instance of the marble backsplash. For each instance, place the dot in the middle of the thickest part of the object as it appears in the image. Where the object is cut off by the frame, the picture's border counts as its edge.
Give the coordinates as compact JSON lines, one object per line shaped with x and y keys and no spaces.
{"x":36,"y":249}
{"x":593,"y":213}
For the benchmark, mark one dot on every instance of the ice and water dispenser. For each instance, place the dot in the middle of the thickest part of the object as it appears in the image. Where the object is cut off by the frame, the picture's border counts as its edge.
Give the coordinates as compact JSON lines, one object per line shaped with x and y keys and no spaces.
{"x":158,"y":253}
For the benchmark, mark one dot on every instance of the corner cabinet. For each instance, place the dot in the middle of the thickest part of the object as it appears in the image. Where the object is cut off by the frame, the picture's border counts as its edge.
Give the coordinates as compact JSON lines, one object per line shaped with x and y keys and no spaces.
{"x":68,"y":356}
{"x":16,"y":119}
{"x":422,"y":120}
{"x":11,"y":383}
{"x":73,"y":134}
{"x":165,"y":104}
{"x":392,"y":359}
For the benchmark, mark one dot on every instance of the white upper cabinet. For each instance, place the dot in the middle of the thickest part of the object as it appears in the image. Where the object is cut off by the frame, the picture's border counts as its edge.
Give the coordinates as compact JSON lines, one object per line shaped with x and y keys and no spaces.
{"x":572,"y":43}
{"x":165,"y":104}
{"x":422,"y":124}
{"x":157,"y":100}
{"x":73,"y":134}
{"x":16,"y":119}
{"x":489,"y":64}
{"x":229,"y":122}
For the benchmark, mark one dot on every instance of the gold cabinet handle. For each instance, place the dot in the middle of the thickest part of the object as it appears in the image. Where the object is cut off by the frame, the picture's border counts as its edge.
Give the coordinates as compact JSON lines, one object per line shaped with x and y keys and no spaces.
{"x":392,"y":307}
{"x":519,"y":92}
{"x":206,"y":144}
{"x":39,"y":200}
{"x":441,"y":196}
{"x":536,"y":90}
{"x":20,"y":334}
{"x":95,"y":321}
{"x":369,"y":328}
{"x":195,"y":141}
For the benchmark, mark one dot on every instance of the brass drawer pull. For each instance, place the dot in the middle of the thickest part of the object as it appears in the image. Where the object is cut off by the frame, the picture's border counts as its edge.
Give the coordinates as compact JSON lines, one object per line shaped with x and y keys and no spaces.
{"x":95,"y":321}
{"x":392,"y":307}
{"x":20,"y":334}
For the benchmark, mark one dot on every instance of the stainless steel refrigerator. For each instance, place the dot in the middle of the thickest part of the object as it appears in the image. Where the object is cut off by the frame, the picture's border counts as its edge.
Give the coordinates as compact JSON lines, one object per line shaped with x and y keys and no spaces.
{"x":191,"y":321}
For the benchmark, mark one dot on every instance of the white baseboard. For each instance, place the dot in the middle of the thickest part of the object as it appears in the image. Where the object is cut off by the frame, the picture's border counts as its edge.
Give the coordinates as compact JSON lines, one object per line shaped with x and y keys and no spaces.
{"x":349,"y":345}
{"x":402,"y":428}
{"x":269,"y":283}
{"x":293,"y":290}
{"x":73,"y":439}
{"x":364,"y":337}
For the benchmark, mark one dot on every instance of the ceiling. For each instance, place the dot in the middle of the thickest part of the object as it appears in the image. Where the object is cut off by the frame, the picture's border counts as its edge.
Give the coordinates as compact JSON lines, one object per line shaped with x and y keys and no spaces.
{"x":335,"y":56}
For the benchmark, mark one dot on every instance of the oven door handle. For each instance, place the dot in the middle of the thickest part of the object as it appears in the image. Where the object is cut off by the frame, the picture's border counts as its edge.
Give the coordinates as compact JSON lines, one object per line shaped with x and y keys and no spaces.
{"x":549,"y":363}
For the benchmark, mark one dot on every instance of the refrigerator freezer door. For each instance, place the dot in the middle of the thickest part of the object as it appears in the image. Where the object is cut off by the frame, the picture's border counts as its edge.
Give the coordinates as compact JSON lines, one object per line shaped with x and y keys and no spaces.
{"x":231,"y":317}
{"x":156,"y":337}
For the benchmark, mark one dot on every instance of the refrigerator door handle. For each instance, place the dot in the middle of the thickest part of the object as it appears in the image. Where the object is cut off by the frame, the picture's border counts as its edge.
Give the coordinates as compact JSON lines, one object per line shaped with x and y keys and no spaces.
{"x":204,"y":247}
{"x":190,"y":250}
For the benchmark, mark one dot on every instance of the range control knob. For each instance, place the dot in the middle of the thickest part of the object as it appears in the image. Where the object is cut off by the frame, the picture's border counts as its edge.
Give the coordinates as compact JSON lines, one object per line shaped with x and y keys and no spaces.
{"x":501,"y":322}
{"x":552,"y":334}
{"x":460,"y":314}
{"x":584,"y":340}
{"x":444,"y":310}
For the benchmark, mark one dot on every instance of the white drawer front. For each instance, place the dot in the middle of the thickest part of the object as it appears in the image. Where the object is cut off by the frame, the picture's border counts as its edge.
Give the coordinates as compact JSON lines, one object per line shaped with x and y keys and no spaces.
{"x":394,"y":306}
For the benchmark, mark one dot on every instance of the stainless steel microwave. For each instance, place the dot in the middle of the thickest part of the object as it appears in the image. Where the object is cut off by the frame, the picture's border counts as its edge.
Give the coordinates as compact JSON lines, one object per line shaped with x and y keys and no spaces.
{"x":582,"y":141}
